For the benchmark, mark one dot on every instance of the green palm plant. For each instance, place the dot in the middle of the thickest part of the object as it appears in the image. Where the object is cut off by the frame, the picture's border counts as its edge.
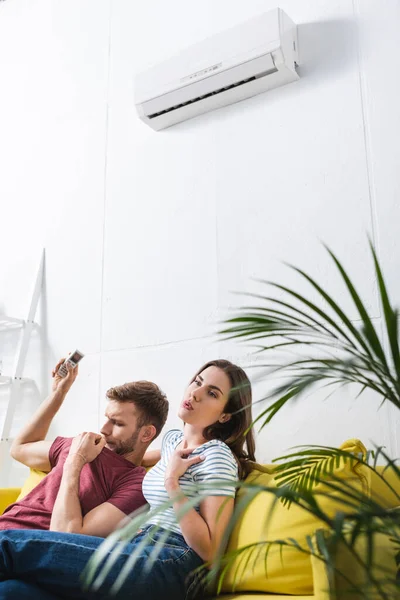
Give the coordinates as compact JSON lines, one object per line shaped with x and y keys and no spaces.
{"x":361,"y":357}
{"x":297,"y":322}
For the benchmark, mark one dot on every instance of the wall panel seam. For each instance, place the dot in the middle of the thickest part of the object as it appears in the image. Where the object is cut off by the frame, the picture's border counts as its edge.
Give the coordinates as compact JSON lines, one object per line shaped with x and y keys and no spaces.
{"x":99,"y":395}
{"x":393,"y":438}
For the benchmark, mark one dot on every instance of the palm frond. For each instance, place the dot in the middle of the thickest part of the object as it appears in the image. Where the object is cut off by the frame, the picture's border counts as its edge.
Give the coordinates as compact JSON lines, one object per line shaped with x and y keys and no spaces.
{"x":391,"y":316}
{"x":301,"y":324}
{"x":305,"y":469}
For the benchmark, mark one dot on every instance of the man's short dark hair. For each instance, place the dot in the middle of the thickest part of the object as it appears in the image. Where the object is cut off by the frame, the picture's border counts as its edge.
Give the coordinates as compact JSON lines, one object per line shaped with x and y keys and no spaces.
{"x":150,"y":401}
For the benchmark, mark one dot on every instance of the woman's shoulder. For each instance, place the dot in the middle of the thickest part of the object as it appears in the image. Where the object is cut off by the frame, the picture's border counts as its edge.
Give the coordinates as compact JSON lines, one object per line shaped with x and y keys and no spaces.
{"x":172,"y":438}
{"x":216,"y":449}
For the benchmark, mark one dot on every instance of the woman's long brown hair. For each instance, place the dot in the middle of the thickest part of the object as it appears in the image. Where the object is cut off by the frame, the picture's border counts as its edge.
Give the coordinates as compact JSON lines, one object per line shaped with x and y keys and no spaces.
{"x":233,"y":432}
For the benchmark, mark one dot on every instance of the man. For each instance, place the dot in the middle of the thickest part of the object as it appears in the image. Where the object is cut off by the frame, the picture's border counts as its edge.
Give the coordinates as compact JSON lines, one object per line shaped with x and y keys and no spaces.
{"x":94,"y":480}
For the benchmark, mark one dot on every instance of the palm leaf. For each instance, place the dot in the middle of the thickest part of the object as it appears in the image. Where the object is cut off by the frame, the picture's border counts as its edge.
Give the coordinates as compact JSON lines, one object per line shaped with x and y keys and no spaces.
{"x":303,"y":470}
{"x":391,"y":315}
{"x":368,"y":328}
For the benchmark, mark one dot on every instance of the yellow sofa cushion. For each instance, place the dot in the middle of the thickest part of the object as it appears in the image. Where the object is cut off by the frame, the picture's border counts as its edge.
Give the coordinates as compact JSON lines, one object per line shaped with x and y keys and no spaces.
{"x":7,"y":497}
{"x":384,"y":485}
{"x":262,"y":596}
{"x":288,"y":571}
{"x":32,"y":480}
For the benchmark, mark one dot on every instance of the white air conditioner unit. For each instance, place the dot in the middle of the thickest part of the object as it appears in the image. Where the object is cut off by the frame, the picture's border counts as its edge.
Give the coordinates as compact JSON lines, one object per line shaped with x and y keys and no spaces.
{"x":243,"y":61}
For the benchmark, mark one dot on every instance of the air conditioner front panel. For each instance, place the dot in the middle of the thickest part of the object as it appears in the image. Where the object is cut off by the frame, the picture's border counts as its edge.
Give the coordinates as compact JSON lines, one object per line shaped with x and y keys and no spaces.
{"x":231,"y":96}
{"x":212,"y":84}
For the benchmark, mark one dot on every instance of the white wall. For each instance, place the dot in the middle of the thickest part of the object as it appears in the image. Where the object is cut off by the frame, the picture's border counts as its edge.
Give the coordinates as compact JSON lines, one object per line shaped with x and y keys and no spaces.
{"x":147,"y":234}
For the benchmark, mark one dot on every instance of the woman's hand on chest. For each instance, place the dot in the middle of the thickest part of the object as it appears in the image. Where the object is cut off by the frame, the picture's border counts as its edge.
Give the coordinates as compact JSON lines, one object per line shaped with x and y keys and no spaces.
{"x":178,"y":464}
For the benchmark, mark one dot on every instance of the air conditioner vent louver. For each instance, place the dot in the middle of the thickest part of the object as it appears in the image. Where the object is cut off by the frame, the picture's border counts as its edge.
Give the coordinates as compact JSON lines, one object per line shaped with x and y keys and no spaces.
{"x":214,"y":93}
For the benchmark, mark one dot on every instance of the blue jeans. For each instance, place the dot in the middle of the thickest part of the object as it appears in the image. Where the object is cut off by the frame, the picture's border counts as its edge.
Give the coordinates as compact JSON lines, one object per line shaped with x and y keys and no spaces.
{"x":13,"y":589}
{"x":49,"y":565}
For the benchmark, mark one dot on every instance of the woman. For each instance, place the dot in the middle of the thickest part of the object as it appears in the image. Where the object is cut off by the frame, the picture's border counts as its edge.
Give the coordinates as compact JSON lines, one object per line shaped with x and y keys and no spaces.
{"x":216,"y":412}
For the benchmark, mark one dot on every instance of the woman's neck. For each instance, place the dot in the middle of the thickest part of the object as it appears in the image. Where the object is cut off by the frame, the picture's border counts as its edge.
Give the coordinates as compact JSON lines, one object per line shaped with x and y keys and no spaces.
{"x":193,"y":436}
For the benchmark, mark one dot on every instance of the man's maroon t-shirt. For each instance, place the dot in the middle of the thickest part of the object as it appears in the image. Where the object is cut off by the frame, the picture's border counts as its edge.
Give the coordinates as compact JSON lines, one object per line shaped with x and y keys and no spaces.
{"x":109,"y":478}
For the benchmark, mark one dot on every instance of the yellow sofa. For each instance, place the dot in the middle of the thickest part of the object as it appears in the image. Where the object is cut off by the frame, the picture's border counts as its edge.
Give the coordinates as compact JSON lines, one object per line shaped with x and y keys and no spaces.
{"x":302,"y":571}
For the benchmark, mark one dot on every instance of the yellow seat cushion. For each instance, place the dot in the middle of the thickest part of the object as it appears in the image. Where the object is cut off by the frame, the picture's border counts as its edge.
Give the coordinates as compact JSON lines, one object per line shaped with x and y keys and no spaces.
{"x":384,"y":485}
{"x":7,"y":497}
{"x":33,"y":479}
{"x":286,"y":571}
{"x":261,"y":596}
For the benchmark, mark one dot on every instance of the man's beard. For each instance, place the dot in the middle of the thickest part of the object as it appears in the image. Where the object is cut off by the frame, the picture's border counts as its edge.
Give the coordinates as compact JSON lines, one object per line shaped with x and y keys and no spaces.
{"x":128,"y":446}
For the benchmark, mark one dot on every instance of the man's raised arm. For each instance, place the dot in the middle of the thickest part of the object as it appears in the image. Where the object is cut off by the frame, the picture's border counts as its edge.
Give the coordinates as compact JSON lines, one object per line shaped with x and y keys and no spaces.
{"x":29,"y":446}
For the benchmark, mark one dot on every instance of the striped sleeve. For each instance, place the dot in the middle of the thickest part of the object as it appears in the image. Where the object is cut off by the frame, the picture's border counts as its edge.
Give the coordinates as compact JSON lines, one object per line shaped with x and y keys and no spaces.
{"x":219,"y":466}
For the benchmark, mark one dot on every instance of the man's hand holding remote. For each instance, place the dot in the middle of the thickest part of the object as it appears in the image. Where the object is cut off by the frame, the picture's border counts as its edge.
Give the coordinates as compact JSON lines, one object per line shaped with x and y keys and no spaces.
{"x":30,"y":446}
{"x":63,"y":384}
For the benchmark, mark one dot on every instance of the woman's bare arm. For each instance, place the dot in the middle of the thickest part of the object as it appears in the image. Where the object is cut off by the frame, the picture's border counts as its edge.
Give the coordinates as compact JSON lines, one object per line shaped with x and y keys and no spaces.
{"x":203,"y":532}
{"x":150,"y":458}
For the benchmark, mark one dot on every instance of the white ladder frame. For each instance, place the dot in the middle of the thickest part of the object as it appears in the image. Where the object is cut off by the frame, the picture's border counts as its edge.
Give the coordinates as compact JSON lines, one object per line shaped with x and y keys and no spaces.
{"x":27,"y":326}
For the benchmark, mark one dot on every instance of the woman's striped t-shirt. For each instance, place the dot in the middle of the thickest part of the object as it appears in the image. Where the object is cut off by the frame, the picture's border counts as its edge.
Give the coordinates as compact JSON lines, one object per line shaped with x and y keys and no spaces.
{"x":219,"y":465}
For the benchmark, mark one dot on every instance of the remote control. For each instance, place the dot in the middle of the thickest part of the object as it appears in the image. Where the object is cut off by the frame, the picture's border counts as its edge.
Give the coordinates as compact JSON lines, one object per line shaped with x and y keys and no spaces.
{"x":72,"y":360}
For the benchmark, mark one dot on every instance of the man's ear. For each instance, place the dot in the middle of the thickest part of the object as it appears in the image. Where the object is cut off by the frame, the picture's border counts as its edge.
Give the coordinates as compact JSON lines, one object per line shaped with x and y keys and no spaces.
{"x":224,"y":417}
{"x":148,"y":433}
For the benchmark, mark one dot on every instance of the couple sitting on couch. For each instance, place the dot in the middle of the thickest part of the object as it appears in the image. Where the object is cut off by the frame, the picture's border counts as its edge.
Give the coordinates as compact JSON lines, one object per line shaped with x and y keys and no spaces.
{"x":95,"y":480}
